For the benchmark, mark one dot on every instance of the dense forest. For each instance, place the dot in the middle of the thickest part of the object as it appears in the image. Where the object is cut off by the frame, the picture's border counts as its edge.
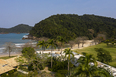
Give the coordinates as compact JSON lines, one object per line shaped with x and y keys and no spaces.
{"x":21,"y":28}
{"x":71,"y":26}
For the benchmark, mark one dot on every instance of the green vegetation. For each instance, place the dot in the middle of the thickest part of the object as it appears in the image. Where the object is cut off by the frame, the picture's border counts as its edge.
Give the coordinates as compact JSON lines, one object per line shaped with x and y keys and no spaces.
{"x":70,"y":26}
{"x":103,"y":55}
{"x":86,"y":70}
{"x":7,"y":57}
{"x":28,"y":52}
{"x":21,"y":28}
{"x":68,"y":52}
{"x":91,"y":50}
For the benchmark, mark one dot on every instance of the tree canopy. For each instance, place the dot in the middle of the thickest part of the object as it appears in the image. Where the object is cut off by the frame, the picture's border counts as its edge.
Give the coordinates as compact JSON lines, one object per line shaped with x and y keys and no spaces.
{"x":103,"y":55}
{"x":21,"y":28}
{"x":70,"y":26}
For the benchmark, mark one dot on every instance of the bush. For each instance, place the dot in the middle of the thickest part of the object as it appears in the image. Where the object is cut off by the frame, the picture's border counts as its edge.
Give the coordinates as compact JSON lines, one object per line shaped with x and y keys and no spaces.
{"x":59,"y":75}
{"x":41,"y":66}
{"x":103,"y":55}
{"x":10,"y":72}
{"x":64,"y":72}
{"x":4,"y":75}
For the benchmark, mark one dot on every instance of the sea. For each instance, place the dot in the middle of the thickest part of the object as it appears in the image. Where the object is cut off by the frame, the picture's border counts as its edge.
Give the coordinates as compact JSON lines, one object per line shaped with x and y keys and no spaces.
{"x":13,"y":38}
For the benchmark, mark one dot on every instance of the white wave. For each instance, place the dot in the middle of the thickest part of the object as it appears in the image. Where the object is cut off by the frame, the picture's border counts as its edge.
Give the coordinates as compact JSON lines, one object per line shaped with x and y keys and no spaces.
{"x":19,"y":45}
{"x":2,"y":48}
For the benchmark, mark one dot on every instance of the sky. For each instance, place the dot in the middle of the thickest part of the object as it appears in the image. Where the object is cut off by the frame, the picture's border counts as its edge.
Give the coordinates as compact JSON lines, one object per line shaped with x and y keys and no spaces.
{"x":30,"y":12}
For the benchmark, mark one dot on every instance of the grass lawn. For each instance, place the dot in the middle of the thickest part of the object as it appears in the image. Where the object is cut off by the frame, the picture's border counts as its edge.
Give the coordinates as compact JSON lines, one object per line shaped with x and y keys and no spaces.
{"x":7,"y":57}
{"x":91,"y":50}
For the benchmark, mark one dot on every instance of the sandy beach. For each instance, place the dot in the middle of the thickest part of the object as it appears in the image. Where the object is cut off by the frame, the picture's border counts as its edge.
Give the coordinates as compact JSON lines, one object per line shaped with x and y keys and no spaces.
{"x":86,"y":44}
{"x":12,"y":54}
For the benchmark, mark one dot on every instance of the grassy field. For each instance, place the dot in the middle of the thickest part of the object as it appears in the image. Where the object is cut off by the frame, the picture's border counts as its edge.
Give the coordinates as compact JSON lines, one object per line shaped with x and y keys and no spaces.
{"x":7,"y":57}
{"x":92,"y":51}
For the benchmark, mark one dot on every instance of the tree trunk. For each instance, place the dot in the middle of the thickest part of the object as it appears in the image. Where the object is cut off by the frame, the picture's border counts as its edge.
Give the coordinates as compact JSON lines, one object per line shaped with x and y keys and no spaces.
{"x":61,"y":49}
{"x":78,"y":45}
{"x":9,"y":51}
{"x":51,"y":56}
{"x":82,"y":44}
{"x":68,"y":67}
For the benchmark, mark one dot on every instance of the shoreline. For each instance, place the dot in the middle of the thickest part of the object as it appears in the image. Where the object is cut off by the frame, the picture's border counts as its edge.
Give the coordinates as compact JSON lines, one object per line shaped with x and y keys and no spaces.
{"x":12,"y":54}
{"x":87,"y":44}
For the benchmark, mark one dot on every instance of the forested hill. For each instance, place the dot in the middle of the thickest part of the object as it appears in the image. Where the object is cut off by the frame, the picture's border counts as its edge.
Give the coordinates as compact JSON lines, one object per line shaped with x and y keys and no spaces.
{"x":21,"y":28}
{"x":71,"y":26}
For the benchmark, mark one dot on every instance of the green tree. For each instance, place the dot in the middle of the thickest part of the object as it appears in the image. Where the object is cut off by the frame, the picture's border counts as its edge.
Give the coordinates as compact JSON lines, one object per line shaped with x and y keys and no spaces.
{"x":103,"y":55}
{"x":28,"y":52}
{"x":52,"y":44}
{"x":62,"y":40}
{"x":42,"y":44}
{"x":68,"y":52}
{"x":85,"y":69}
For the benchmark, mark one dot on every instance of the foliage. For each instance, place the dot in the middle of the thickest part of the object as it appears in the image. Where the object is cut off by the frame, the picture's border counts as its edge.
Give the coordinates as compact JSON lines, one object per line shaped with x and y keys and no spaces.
{"x":111,"y":42}
{"x":69,"y":53}
{"x":28,"y":52}
{"x":86,"y":69}
{"x":52,"y":44}
{"x":71,"y":26}
{"x":4,"y":75}
{"x":38,"y":63}
{"x":59,"y":75}
{"x":21,"y":28}
{"x":42,"y":44}
{"x":103,"y":55}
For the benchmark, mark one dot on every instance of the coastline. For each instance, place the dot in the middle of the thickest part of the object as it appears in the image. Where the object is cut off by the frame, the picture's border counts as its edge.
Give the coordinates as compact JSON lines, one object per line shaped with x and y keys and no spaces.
{"x":12,"y":54}
{"x":87,"y":44}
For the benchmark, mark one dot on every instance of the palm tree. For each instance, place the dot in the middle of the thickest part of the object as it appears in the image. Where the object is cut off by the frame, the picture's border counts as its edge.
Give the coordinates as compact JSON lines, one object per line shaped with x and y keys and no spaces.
{"x":61,"y":39}
{"x":69,"y":53}
{"x":85,"y":69}
{"x":42,"y":44}
{"x":53,"y":44}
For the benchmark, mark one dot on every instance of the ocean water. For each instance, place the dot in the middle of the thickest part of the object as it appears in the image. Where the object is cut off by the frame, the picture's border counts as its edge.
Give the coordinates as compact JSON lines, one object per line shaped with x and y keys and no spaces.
{"x":12,"y":37}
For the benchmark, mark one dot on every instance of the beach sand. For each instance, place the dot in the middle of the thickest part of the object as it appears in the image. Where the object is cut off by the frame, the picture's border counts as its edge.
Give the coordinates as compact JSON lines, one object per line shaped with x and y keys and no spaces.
{"x":88,"y":43}
{"x":12,"y":54}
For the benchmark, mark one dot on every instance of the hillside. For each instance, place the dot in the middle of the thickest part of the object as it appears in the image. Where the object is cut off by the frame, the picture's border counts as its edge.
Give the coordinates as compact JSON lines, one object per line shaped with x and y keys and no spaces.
{"x":21,"y":28}
{"x":71,"y":26}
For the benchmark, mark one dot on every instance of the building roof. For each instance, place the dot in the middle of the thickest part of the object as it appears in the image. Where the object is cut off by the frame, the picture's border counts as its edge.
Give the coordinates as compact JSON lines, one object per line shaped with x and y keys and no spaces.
{"x":2,"y":62}
{"x":5,"y":69}
{"x":7,"y":65}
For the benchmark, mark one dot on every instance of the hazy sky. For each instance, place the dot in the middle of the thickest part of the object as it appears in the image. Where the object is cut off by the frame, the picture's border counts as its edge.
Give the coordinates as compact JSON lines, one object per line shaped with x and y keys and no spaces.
{"x":14,"y":12}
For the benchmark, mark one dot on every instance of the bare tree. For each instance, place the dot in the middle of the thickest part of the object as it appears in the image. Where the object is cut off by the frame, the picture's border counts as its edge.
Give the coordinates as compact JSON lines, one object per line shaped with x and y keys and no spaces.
{"x":101,"y":37}
{"x":78,"y":41}
{"x":72,"y":43}
{"x":95,"y":40}
{"x":9,"y":47}
{"x":83,"y":38}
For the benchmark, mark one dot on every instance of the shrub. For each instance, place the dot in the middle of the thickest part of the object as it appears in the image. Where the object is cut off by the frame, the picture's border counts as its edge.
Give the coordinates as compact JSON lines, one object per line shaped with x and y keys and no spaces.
{"x":103,"y":55}
{"x":4,"y":75}
{"x":64,"y":72}
{"x":10,"y":72}
{"x":59,"y":75}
